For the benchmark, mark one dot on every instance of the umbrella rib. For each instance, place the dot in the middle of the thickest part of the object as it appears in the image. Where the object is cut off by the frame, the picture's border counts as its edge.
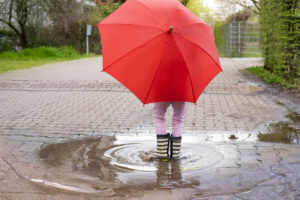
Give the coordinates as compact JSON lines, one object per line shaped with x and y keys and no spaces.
{"x":187,"y":71}
{"x":132,"y":50}
{"x":200,"y":48}
{"x":184,"y":26}
{"x":160,"y":19}
{"x":155,"y":73}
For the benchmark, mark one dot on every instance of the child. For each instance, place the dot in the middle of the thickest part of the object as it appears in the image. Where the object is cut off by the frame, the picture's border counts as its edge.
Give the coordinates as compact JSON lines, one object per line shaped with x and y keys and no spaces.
{"x":164,"y":139}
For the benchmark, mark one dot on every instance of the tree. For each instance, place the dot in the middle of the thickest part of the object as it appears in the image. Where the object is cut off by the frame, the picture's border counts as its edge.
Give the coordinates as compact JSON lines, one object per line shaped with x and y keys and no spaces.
{"x":184,"y":2}
{"x":102,"y":9}
{"x":15,"y":13}
{"x":45,"y":22}
{"x":252,"y":5}
{"x":66,"y":24}
{"x":205,"y":13}
{"x":280,"y":24}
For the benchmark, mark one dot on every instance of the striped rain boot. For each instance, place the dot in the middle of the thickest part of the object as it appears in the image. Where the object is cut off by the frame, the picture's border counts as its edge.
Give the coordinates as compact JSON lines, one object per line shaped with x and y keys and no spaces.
{"x":175,"y":143}
{"x":162,"y":148}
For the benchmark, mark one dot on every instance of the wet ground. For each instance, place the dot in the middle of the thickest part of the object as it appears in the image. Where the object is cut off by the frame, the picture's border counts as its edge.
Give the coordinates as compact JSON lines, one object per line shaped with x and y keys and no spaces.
{"x":241,"y":141}
{"x":115,"y":167}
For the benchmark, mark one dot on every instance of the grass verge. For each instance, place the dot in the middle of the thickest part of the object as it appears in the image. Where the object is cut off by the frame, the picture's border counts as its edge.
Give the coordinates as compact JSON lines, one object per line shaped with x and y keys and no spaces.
{"x":37,"y":56}
{"x":252,"y":52}
{"x":273,"y":78}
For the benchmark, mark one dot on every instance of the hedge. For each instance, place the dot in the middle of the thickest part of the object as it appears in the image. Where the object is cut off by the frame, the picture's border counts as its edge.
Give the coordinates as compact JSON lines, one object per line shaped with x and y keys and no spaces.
{"x":280,"y":33}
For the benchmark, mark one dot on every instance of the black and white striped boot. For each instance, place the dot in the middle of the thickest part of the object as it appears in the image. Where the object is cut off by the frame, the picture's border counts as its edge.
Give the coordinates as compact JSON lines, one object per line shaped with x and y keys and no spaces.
{"x":162,"y":148}
{"x":175,"y":143}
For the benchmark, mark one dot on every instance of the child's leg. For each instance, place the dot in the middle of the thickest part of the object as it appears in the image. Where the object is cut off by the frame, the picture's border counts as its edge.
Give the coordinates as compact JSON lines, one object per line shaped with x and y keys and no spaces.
{"x":159,"y":112}
{"x":177,"y":126}
{"x":178,"y":118}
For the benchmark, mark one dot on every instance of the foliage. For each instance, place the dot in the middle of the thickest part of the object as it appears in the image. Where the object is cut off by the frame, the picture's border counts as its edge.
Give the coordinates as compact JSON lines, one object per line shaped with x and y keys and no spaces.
{"x":67,"y":25}
{"x":41,"y":53}
{"x":205,"y":13}
{"x":100,"y":11}
{"x":17,"y":15}
{"x":96,"y":15}
{"x":220,"y":36}
{"x":184,"y":2}
{"x":36,"y":56}
{"x":280,"y":22}
{"x":7,"y":40}
{"x":274,"y":78}
{"x":47,"y":23}
{"x":251,"y":5}
{"x":242,"y":15}
{"x":221,"y":28}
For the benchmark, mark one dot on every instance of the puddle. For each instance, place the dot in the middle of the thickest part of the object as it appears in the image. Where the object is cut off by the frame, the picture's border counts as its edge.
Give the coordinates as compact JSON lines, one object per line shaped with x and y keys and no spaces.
{"x":117,"y":166}
{"x":193,"y":157}
{"x":283,"y":132}
{"x":295,"y":117}
{"x":109,"y":158}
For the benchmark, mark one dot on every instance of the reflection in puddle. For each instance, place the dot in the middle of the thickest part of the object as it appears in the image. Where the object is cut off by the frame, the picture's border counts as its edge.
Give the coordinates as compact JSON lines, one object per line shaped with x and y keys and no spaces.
{"x":109,"y":160}
{"x":295,"y":117}
{"x":116,"y":164}
{"x":63,"y":187}
{"x":283,"y":132}
{"x":119,"y":167}
{"x":135,"y":156}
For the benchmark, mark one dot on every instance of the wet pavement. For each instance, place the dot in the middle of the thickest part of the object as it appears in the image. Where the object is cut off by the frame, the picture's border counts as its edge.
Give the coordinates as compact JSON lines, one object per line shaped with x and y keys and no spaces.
{"x":68,"y":131}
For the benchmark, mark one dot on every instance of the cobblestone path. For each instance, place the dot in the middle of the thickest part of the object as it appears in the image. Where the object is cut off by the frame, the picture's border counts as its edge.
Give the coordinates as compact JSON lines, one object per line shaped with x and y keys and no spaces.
{"x":74,"y":100}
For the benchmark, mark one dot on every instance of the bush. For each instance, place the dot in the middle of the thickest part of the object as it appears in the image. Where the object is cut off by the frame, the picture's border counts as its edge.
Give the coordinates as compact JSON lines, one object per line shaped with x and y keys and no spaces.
{"x":96,"y":15}
{"x":8,"y":40}
{"x":242,"y":15}
{"x":273,"y":78}
{"x":220,"y":37}
{"x":280,"y":24}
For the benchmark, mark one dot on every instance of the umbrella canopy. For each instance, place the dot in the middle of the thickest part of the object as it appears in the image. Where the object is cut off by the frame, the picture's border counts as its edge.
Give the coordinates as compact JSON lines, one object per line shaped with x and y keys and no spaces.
{"x":159,"y":50}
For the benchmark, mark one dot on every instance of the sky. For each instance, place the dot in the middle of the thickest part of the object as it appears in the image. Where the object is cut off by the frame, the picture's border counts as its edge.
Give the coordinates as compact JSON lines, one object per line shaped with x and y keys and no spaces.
{"x":211,"y":4}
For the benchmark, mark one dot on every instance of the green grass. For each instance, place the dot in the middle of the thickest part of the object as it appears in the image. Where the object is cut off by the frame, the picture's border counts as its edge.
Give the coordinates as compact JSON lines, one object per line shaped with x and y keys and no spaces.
{"x":273,"y":78}
{"x":37,"y":56}
{"x":252,"y":52}
{"x":247,"y":53}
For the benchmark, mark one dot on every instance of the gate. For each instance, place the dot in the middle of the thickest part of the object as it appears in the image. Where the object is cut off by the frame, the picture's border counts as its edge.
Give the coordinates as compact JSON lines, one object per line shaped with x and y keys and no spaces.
{"x":242,"y":39}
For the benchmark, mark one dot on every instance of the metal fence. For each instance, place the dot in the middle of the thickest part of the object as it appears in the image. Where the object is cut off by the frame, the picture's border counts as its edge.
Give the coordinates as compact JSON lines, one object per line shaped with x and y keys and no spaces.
{"x":242,"y":39}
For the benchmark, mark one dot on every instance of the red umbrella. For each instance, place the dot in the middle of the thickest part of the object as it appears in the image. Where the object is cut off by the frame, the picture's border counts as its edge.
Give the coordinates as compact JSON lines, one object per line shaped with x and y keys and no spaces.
{"x":159,"y":50}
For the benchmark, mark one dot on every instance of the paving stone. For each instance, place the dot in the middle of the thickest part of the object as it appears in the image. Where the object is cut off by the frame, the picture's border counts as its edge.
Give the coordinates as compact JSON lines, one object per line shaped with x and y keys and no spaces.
{"x":74,"y":100}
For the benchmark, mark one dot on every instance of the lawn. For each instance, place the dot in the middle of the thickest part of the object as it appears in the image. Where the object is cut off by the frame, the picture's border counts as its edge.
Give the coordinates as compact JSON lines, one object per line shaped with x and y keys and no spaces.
{"x":37,"y":56}
{"x":274,"y":78}
{"x":252,"y":52}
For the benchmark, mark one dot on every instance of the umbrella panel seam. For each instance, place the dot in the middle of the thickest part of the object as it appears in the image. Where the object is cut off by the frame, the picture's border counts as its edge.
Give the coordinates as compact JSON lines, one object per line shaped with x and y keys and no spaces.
{"x":179,"y":35}
{"x":160,"y":19}
{"x":187,"y":25}
{"x":155,"y":73}
{"x":187,"y":70}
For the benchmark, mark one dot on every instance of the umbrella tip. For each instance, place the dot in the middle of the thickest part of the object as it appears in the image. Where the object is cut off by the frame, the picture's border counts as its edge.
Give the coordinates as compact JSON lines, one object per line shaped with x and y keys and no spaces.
{"x":171,"y":28}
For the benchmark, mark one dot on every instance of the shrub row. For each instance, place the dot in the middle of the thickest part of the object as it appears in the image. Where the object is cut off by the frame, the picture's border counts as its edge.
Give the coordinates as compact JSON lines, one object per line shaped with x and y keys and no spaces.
{"x":280,"y":33}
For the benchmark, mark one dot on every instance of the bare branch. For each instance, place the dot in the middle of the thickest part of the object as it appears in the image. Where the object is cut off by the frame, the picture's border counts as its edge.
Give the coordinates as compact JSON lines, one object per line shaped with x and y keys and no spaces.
{"x":11,"y":26}
{"x":10,"y":11}
{"x":252,"y":5}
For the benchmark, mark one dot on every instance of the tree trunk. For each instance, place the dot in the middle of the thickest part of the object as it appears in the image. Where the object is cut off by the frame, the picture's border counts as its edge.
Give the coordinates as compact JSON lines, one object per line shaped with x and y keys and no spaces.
{"x":22,"y":15}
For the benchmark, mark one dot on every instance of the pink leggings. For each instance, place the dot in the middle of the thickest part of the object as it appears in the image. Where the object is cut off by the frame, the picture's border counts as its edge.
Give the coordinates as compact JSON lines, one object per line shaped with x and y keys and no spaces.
{"x":159,"y":112}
